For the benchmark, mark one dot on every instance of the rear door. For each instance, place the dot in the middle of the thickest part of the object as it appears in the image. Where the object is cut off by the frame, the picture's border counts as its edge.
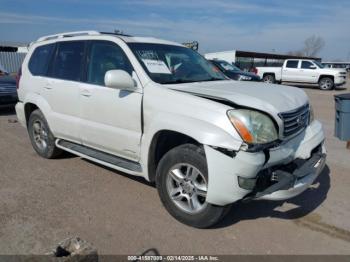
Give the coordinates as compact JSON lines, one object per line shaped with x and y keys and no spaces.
{"x":62,"y":87}
{"x":308,"y":72}
{"x":290,"y":71}
{"x":110,"y":118}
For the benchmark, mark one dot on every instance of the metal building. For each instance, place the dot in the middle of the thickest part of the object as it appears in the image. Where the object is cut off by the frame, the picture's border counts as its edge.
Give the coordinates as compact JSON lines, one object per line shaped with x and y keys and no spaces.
{"x":247,"y":60}
{"x":11,"y":57}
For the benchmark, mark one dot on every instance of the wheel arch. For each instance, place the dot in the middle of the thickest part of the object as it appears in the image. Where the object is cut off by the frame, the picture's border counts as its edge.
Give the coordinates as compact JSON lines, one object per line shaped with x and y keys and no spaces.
{"x":28,"y":110}
{"x":323,"y":76}
{"x":269,"y":73}
{"x":162,"y":142}
{"x":34,"y":101}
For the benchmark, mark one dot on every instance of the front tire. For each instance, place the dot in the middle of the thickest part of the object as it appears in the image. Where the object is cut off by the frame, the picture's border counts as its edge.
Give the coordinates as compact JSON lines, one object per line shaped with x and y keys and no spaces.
{"x":182,"y":183}
{"x":41,"y":137}
{"x":326,"y":83}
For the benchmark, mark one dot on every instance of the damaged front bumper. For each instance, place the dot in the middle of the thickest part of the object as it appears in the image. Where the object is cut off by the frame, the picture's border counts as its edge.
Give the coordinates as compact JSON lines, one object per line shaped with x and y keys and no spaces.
{"x":289,"y":169}
{"x":284,"y":182}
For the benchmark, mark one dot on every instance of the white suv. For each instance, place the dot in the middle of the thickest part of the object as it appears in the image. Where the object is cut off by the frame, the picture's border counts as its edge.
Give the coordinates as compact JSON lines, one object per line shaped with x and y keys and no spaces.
{"x":159,"y":110}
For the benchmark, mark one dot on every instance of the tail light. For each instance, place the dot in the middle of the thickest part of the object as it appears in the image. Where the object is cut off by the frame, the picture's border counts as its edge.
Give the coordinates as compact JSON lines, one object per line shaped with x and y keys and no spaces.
{"x":18,"y":77}
{"x":254,"y":70}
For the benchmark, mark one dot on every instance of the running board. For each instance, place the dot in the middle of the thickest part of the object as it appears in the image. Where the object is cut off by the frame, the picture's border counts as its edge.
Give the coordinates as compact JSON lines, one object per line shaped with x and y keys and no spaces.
{"x":99,"y":156}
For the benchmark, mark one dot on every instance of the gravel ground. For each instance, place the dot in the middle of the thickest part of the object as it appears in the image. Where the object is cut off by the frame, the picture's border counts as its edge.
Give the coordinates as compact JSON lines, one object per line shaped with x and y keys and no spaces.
{"x":45,"y":201}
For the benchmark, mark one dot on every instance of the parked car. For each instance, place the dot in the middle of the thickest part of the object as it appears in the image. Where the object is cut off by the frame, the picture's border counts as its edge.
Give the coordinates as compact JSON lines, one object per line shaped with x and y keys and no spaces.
{"x":303,"y":72}
{"x":233,"y":72}
{"x":156,"y":109}
{"x":8,"y":91}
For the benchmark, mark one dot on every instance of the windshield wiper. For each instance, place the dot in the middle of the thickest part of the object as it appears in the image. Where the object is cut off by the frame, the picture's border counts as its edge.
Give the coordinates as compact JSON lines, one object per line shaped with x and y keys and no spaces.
{"x":181,"y":81}
{"x":178,"y":81}
{"x":211,"y":79}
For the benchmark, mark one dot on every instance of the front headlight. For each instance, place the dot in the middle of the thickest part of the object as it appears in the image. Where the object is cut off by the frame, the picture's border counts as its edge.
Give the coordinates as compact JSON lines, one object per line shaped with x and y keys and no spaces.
{"x":254,"y":127}
{"x":311,"y":115}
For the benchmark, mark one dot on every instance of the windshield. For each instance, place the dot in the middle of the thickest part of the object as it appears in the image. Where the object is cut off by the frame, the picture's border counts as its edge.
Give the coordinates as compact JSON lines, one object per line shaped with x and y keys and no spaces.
{"x":169,"y":64}
{"x":318,"y":64}
{"x":227,"y":66}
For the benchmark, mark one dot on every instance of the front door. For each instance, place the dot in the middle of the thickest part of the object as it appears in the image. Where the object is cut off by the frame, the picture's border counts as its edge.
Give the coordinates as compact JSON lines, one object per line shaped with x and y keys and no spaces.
{"x":308,"y":72}
{"x":110,"y":118}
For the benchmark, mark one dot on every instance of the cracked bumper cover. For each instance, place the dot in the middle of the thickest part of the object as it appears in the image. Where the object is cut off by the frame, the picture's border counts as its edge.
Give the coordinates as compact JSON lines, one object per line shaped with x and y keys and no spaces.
{"x":224,"y":171}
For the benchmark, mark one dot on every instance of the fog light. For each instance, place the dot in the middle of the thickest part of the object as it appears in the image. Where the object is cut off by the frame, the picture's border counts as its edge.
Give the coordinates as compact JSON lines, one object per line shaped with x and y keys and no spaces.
{"x":246,"y":183}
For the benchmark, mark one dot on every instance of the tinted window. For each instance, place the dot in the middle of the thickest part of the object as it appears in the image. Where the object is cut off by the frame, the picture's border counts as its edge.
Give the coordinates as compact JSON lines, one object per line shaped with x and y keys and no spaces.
{"x":68,"y":60}
{"x":306,"y":65}
{"x":105,"y":56}
{"x":171,"y":64}
{"x":292,"y":64}
{"x":40,"y":59}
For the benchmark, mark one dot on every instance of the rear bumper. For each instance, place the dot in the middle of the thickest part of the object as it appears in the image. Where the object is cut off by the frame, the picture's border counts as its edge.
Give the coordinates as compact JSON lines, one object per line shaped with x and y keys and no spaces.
{"x":20,"y":113}
{"x":8,"y":99}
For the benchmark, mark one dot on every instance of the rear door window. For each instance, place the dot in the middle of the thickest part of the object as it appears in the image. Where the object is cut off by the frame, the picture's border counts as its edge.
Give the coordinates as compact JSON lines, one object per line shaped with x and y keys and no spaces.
{"x":292,"y":64}
{"x":105,"y":56}
{"x":68,"y":62}
{"x":39,"y":60}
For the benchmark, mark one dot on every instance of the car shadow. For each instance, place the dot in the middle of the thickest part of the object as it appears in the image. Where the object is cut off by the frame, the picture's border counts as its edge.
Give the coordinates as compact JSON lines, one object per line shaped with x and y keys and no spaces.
{"x":303,"y":204}
{"x":139,"y":179}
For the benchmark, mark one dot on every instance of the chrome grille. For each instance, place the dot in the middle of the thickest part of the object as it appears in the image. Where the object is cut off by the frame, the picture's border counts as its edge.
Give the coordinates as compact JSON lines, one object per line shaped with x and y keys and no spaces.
{"x":295,"y":121}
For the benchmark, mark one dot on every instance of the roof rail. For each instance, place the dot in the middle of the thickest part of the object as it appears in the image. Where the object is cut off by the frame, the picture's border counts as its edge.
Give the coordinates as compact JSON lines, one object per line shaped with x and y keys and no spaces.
{"x":67,"y":34}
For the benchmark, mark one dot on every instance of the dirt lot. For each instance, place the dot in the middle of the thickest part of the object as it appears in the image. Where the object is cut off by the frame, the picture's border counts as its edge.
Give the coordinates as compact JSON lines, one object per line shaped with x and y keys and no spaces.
{"x":44,"y":201}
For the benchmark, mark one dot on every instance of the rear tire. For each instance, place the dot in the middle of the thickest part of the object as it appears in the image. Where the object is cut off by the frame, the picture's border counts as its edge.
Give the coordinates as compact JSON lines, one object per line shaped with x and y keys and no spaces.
{"x":270,"y":79}
{"x":326,"y":83}
{"x":182,"y":183}
{"x":41,"y":136}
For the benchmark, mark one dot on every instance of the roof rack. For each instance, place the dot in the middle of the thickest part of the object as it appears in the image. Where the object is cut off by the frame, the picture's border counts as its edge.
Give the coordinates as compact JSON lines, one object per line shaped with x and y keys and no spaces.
{"x":115,"y":33}
{"x":67,"y":34}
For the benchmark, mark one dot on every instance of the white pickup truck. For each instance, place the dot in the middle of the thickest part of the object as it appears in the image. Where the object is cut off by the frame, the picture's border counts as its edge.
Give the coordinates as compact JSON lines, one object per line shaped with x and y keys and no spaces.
{"x":303,"y":71}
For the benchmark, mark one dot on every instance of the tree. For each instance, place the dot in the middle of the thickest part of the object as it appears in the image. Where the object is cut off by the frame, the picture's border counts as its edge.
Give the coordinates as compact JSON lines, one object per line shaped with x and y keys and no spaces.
{"x":313,"y":45}
{"x":296,"y":53}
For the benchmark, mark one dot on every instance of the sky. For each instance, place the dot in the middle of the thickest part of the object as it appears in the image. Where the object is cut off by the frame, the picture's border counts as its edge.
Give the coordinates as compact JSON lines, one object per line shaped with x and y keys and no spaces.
{"x":252,"y":25}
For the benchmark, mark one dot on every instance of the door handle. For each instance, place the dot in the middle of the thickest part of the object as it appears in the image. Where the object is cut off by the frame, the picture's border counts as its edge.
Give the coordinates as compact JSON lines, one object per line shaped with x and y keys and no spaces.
{"x":85,"y":92}
{"x":48,"y":87}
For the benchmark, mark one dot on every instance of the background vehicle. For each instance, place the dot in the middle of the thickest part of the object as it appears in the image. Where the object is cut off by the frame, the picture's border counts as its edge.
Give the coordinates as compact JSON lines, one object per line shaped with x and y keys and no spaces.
{"x":303,"y":72}
{"x":8,"y":92}
{"x":156,"y":109}
{"x":342,"y":65}
{"x":233,"y":72}
{"x":228,"y":56}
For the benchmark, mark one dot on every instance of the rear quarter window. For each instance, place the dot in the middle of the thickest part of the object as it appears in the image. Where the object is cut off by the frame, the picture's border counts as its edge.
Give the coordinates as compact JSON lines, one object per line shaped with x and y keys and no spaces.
{"x":39,"y":60}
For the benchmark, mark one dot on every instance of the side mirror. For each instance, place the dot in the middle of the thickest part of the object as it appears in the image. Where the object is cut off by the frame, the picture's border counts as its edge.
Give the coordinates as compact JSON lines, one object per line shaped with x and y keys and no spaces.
{"x":312,"y":67}
{"x":119,"y":79}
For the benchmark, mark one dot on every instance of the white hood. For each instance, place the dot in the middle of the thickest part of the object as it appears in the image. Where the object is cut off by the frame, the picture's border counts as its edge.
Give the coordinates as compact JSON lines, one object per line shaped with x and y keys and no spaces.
{"x":333,"y":70}
{"x":269,"y":98}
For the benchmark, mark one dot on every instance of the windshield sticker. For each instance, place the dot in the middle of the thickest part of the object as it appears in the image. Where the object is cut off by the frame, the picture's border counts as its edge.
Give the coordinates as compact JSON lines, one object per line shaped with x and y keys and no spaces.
{"x":147,"y":54}
{"x":156,"y":66}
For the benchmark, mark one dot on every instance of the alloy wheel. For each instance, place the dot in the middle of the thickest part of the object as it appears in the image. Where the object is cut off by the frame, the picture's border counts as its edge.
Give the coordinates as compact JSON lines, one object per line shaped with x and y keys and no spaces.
{"x":187,"y":188}
{"x":40,"y":134}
